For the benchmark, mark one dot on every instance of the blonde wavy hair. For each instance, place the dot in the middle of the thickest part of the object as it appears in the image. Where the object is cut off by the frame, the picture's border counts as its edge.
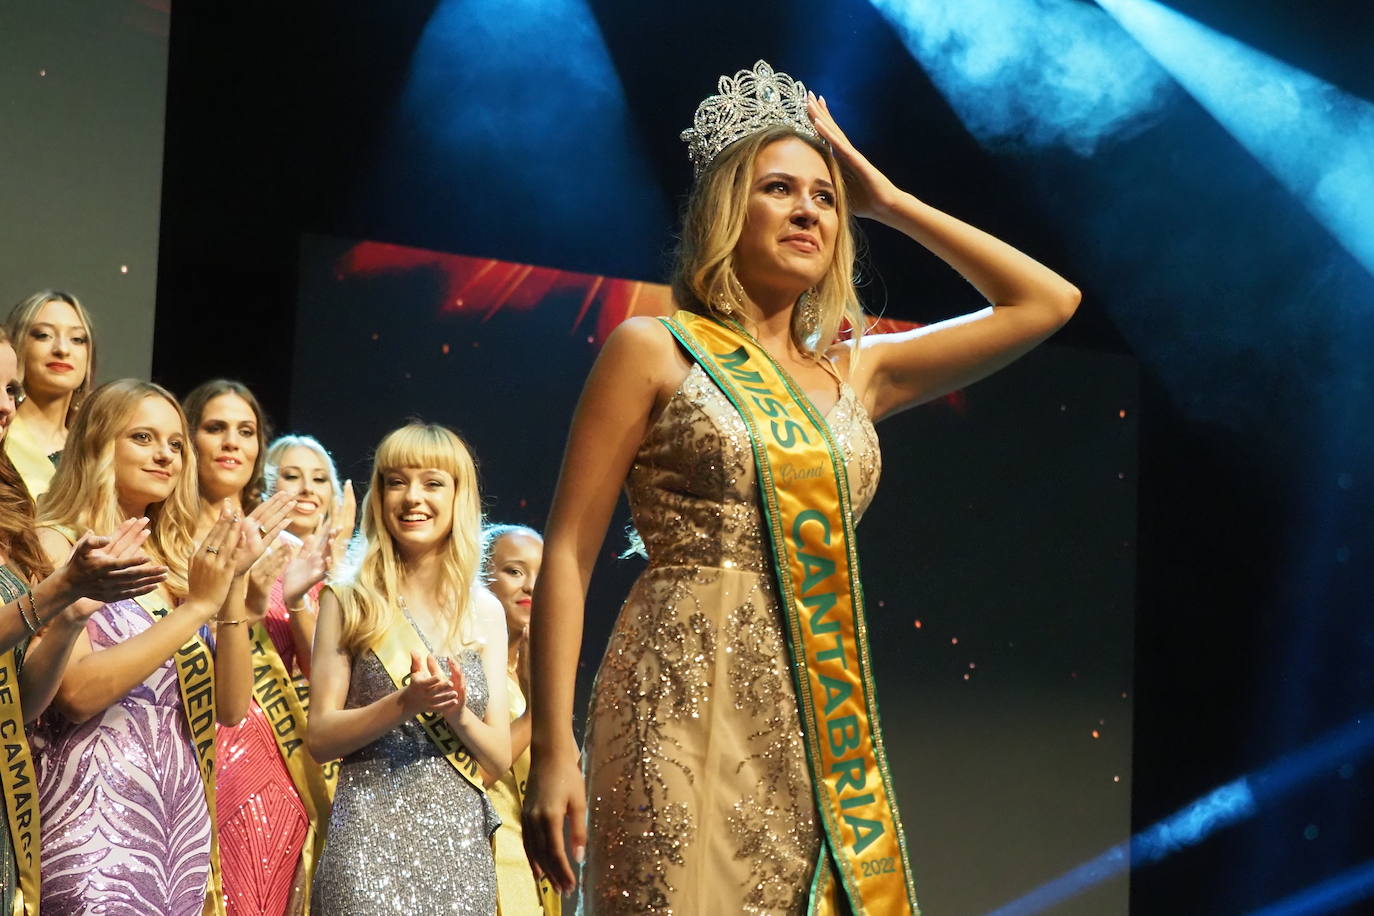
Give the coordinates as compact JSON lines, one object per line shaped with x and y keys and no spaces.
{"x":82,"y":494}
{"x":21,"y":319}
{"x":713,"y":220}
{"x":367,"y":597}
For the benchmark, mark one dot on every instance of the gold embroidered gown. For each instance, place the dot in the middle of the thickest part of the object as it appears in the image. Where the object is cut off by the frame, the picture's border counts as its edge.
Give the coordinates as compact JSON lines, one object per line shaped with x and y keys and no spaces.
{"x":699,"y":796}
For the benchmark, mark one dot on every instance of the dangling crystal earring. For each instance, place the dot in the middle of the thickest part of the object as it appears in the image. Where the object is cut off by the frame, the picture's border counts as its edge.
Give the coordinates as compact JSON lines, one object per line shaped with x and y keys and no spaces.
{"x":809,"y":312}
{"x":724,"y":305}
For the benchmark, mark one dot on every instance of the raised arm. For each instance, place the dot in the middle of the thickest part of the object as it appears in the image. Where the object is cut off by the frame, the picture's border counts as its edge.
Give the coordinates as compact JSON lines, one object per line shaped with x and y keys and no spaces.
{"x":1029,"y":302}
{"x":638,"y":369}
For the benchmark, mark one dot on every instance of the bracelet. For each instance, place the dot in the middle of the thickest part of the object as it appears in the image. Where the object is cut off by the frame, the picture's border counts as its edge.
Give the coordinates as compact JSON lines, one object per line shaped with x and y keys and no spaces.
{"x":31,"y":625}
{"x":302,"y":608}
{"x":229,"y":623}
{"x":33,"y":609}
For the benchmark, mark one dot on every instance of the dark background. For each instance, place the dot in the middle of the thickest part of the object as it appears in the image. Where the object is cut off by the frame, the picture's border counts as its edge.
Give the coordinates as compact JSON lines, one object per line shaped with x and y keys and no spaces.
{"x":1253,"y":634}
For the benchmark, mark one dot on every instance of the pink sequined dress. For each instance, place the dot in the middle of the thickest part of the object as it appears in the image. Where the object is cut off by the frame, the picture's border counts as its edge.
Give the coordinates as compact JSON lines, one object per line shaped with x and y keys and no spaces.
{"x":262,"y":821}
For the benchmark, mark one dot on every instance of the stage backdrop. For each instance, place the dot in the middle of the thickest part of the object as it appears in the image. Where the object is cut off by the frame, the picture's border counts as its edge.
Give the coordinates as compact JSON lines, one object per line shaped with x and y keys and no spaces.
{"x":998,"y":557}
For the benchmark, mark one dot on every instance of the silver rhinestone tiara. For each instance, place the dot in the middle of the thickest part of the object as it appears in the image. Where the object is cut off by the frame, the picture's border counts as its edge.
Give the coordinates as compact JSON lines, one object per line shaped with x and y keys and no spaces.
{"x":748,"y":102}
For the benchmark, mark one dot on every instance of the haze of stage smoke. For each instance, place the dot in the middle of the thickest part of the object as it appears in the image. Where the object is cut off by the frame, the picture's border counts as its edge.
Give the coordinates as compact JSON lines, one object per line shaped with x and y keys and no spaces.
{"x":1033,"y":73}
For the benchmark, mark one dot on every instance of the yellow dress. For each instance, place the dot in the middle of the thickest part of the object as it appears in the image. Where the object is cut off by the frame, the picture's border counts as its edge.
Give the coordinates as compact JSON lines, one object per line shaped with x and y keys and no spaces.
{"x":516,"y":894}
{"x":32,"y":462}
{"x":699,"y":794}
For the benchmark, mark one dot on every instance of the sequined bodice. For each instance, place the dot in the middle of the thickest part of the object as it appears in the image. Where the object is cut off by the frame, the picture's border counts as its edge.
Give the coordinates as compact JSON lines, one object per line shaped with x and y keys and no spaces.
{"x":408,"y":741}
{"x":692,"y":488}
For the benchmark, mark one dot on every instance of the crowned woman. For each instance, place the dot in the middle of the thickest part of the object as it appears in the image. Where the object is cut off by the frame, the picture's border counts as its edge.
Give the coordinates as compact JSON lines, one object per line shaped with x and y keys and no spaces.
{"x":734,"y":758}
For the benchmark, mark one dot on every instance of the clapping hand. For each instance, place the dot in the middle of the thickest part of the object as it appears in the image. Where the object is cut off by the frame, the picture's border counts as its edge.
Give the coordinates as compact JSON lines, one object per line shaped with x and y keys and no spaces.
{"x":309,"y":567}
{"x":212,"y":567}
{"x":428,"y":689}
{"x":261,"y":528}
{"x":102,"y":570}
{"x":263,"y":576}
{"x":342,"y":527}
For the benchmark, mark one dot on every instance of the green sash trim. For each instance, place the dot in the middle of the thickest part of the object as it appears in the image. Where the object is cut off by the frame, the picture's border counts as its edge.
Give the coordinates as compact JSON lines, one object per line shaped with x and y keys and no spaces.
{"x":805,"y":496}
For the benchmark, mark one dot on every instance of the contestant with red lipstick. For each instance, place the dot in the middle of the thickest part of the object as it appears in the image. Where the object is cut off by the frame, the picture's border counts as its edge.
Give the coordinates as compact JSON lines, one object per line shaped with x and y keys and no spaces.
{"x":43,"y":612}
{"x":742,"y":430}
{"x":128,"y":748}
{"x":269,"y":805}
{"x":52,"y":333}
{"x":514,"y":554}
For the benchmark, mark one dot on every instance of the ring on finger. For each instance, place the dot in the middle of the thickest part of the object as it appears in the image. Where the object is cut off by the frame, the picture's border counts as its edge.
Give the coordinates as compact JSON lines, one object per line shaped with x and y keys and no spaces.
{"x":212,"y":549}
{"x":262,"y":531}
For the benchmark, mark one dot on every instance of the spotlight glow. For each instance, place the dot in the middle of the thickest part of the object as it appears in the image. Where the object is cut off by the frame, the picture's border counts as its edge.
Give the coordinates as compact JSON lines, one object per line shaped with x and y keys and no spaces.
{"x":1032,"y":73}
{"x":1316,"y":140}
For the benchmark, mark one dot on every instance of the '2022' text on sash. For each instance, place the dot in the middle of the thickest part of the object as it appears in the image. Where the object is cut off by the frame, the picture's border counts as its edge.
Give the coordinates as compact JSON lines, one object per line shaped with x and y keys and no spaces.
{"x":805,"y":494}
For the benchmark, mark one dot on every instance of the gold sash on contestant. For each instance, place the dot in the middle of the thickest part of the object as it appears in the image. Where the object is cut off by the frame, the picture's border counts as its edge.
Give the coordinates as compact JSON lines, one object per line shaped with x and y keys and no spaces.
{"x":195,"y":666}
{"x":17,"y":777}
{"x":393,"y":651}
{"x":286,"y":702}
{"x":805,"y":495}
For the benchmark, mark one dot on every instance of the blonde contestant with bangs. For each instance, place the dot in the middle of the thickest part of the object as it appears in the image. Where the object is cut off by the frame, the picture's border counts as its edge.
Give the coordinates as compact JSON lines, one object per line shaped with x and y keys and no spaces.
{"x":127,"y":750}
{"x":408,"y":686}
{"x":733,"y":758}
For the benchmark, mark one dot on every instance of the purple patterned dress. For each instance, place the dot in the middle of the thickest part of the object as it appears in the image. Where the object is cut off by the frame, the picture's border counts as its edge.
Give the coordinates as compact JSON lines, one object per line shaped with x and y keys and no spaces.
{"x":126,"y":831}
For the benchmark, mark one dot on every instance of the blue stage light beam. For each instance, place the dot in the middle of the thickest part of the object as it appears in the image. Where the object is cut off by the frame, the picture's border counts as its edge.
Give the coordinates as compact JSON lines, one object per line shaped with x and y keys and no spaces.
{"x":1028,"y":74}
{"x":513,"y":125}
{"x":1348,"y":887}
{"x":1229,"y":804}
{"x":1315,"y":139}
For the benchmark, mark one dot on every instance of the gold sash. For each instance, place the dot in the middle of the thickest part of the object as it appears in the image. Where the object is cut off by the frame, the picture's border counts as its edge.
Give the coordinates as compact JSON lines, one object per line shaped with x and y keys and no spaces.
{"x":195,"y":666}
{"x":805,"y":494}
{"x":518,"y":782}
{"x":17,"y":774}
{"x":393,"y":651}
{"x":286,"y":702}
{"x":31,"y":461}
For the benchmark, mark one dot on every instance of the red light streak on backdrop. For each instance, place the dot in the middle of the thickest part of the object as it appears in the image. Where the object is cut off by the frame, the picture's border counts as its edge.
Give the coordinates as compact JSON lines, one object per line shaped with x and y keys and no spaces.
{"x":482,"y":287}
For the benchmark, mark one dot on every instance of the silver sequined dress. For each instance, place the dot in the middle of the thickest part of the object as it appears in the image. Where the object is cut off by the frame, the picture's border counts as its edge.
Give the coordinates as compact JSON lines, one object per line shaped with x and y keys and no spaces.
{"x":408,"y":834}
{"x":700,"y":801}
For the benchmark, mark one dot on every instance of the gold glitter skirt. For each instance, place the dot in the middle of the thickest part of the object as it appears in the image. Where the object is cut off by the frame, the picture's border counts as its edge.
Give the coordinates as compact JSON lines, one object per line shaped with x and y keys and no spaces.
{"x":700,"y":799}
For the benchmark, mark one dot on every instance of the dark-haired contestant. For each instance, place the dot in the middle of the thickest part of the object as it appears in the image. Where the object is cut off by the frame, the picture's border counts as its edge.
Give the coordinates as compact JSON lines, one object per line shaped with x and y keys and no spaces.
{"x":734,"y":762}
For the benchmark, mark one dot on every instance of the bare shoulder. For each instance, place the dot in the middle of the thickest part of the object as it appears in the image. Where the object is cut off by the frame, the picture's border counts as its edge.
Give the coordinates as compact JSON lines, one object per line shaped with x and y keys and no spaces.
{"x":488,"y":614}
{"x":642,"y":355}
{"x":55,"y":544}
{"x":641,"y":339}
